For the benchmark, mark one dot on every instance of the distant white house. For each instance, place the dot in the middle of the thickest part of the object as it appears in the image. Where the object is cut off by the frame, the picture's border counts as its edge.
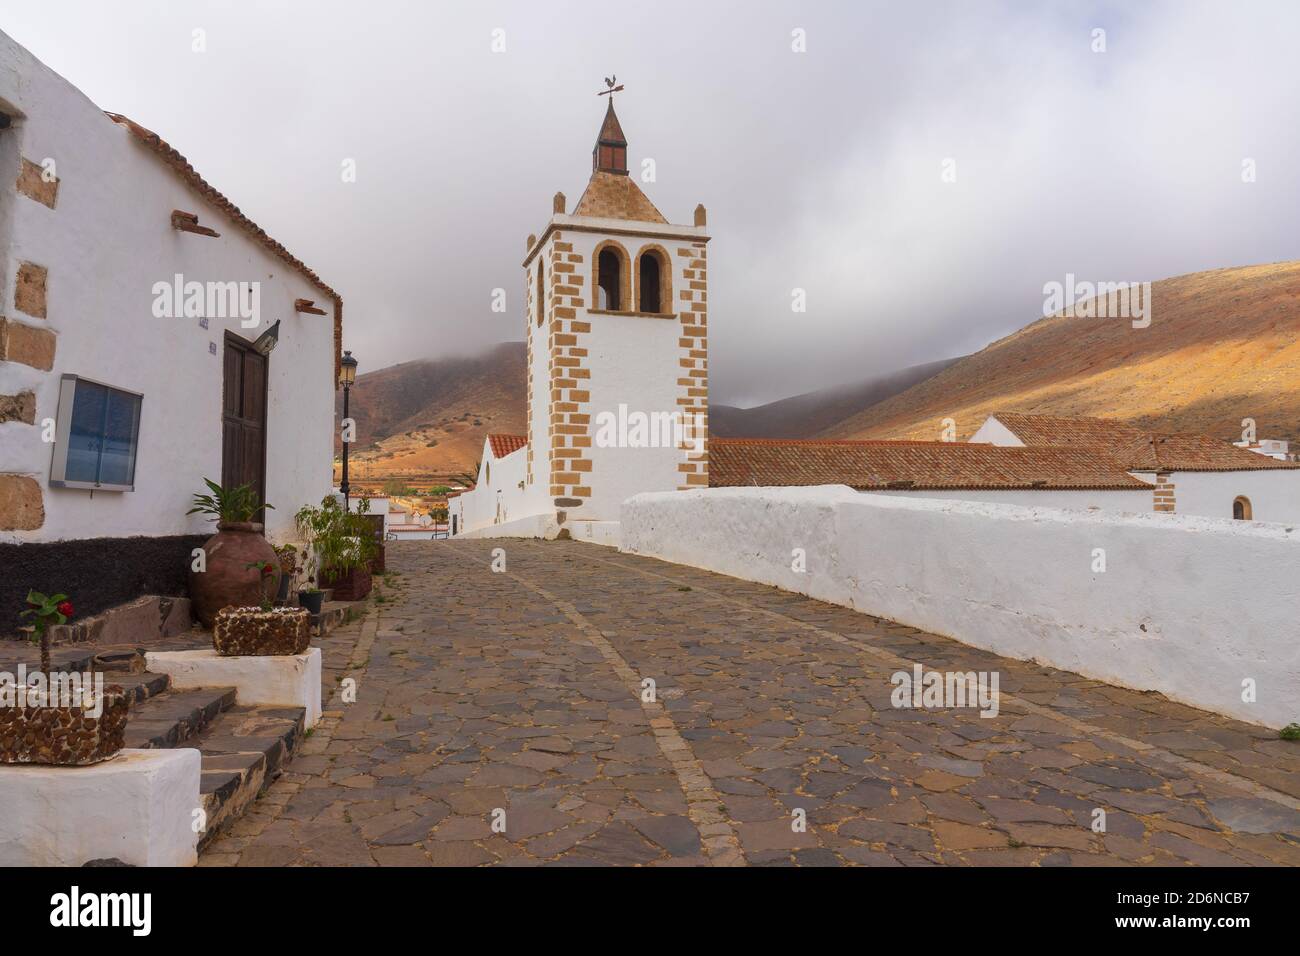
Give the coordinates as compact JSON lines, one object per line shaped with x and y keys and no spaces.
{"x":1189,"y":473}
{"x":400,"y":524}
{"x":1278,"y":448}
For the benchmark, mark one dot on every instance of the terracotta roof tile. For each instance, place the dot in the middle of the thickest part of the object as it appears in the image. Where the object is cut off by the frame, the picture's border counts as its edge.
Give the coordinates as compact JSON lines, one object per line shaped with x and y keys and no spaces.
{"x":910,"y":465}
{"x":503,"y":445}
{"x":1135,"y":448}
{"x":614,"y":196}
{"x":1191,"y":452}
{"x":1056,"y":430}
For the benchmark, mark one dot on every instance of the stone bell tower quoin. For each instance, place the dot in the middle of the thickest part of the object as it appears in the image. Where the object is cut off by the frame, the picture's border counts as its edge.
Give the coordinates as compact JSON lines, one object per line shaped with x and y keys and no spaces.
{"x":617,"y":337}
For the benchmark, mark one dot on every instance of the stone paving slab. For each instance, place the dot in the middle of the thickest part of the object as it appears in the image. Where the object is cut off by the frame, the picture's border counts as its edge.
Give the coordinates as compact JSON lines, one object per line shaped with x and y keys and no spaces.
{"x":501,"y":718}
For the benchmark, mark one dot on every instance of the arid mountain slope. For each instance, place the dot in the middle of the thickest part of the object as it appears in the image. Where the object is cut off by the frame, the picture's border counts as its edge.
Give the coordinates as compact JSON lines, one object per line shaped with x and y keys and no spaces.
{"x":1222,"y":346}
{"x":803,"y":416}
{"x":428,"y":418}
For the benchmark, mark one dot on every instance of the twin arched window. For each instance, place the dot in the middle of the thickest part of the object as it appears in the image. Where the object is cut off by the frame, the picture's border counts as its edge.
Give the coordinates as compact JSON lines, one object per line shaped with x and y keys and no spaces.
{"x":612,"y":284}
{"x":609,"y":280}
{"x":652,"y":272}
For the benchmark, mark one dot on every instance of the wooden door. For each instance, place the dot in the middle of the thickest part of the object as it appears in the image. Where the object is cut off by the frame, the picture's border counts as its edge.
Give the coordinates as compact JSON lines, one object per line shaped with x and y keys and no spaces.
{"x":243,"y":417}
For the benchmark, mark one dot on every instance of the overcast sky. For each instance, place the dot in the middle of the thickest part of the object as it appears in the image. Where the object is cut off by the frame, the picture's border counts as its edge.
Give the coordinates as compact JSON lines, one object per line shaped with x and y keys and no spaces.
{"x":821,"y":170}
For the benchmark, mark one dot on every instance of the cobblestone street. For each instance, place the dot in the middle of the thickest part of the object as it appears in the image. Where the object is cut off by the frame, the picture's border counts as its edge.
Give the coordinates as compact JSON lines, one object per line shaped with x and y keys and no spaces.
{"x":480,"y":692}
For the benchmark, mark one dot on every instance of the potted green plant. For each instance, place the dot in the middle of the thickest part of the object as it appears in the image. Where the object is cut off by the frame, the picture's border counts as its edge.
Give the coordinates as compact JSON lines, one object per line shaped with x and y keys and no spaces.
{"x":226,"y":577}
{"x":289,"y":568}
{"x":59,"y":720}
{"x":312,"y":597}
{"x":46,"y":610}
{"x":342,"y":545}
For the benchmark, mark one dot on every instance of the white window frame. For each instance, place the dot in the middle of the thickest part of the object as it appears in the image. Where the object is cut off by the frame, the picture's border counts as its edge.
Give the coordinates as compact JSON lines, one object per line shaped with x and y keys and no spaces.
{"x":63,"y":429}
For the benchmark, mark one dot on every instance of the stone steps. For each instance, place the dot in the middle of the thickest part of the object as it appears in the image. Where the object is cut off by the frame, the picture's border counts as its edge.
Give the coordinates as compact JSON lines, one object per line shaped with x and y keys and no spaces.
{"x":173,"y":717}
{"x":243,"y":748}
{"x":242,"y":754}
{"x":139,"y":687}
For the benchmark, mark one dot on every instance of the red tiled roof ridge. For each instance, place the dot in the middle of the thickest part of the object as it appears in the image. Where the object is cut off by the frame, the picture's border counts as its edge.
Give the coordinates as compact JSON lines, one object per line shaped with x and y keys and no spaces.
{"x":828,"y":441}
{"x":889,"y":465}
{"x":214,"y":196}
{"x":1136,"y":449}
{"x":503,"y":444}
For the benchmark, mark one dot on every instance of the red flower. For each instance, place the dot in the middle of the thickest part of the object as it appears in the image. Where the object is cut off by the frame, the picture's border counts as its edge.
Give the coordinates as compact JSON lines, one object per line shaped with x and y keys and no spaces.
{"x":65,"y":608}
{"x":268,"y":569}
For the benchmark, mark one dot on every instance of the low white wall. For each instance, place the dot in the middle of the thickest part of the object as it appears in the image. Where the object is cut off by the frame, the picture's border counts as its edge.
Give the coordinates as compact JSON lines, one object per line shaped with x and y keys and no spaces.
{"x":1137,"y":501}
{"x":1188,"y":606}
{"x":137,"y":807}
{"x":281,"y":680}
{"x":594,"y":532}
{"x":533,"y":526}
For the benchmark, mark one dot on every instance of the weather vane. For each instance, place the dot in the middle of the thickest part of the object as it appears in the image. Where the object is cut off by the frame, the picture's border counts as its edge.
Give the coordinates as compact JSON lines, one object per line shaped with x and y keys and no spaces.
{"x":609,"y":82}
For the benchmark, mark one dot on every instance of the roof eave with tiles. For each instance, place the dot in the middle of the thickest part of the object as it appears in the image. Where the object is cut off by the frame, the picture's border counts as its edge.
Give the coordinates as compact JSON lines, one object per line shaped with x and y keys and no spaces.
{"x":1135,"y":448}
{"x":503,"y":445}
{"x":181,"y":166}
{"x":912,"y":466}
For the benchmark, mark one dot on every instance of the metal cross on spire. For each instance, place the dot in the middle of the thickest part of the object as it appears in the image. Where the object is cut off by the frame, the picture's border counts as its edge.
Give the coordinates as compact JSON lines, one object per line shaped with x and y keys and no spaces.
{"x":609,"y":82}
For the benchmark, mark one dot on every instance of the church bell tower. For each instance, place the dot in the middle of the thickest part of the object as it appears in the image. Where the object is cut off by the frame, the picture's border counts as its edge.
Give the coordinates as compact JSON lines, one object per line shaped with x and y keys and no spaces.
{"x":617,"y":341}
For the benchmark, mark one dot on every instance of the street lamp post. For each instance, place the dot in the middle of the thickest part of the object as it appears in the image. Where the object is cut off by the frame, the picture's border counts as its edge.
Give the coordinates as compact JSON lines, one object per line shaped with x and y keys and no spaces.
{"x":347,"y":375}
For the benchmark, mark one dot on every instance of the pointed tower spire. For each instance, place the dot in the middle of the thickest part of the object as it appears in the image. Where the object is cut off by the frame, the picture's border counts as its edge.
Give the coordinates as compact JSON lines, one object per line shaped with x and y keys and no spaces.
{"x":609,"y":155}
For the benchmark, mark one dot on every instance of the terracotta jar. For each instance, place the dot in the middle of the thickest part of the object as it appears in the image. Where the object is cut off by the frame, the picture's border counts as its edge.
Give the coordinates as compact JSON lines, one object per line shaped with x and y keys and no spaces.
{"x":228,"y":579}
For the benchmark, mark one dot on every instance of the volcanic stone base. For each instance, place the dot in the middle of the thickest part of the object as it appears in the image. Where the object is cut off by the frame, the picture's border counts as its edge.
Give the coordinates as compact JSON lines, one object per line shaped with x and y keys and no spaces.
{"x":85,"y":568}
{"x":239,"y":632}
{"x":137,"y":808}
{"x":64,"y":736}
{"x":290,"y":680}
{"x":142,"y":621}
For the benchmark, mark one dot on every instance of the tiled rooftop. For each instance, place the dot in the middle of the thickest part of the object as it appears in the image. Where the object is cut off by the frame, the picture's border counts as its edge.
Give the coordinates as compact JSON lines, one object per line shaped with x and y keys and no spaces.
{"x":908,"y":465}
{"x":1134,"y":448}
{"x":503,"y":445}
{"x":612,"y":196}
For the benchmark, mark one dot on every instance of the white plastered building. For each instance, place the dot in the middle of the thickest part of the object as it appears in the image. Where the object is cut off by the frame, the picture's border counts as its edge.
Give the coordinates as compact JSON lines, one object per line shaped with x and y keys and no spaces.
{"x":126,"y":377}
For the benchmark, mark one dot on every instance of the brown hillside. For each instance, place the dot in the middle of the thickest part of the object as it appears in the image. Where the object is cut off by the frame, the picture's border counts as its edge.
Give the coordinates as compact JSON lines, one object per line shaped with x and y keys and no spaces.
{"x":803,"y":416}
{"x":428,"y":418}
{"x":1222,"y":346}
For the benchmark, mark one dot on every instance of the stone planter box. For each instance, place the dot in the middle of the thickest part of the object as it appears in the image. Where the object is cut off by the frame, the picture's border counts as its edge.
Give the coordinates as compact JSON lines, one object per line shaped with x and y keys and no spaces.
{"x":63,"y":736}
{"x":350,"y":586}
{"x":252,"y":632}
